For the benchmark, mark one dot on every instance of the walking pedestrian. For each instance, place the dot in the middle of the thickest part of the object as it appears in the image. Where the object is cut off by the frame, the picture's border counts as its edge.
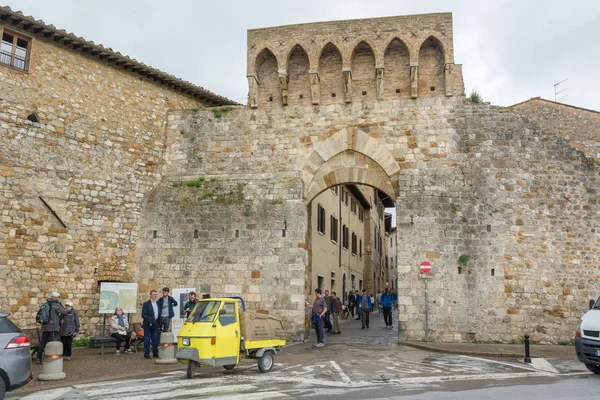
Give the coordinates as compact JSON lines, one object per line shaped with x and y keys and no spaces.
{"x":319,"y":308}
{"x":365,"y":309}
{"x":150,"y":324}
{"x":357,"y":297}
{"x":50,"y":329}
{"x":351,"y":302}
{"x":69,"y":327}
{"x":378,"y":301}
{"x":327,"y":319}
{"x":387,"y":302}
{"x":335,"y":312}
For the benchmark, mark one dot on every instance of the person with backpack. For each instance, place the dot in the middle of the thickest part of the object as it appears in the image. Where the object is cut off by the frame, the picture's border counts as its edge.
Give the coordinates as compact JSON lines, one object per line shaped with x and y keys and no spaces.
{"x":49,"y":316}
{"x":365,"y":305}
{"x":69,"y":327}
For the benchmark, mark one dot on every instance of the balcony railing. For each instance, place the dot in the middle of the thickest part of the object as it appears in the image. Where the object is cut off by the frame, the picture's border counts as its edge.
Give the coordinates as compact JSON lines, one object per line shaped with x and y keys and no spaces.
{"x":14,"y":60}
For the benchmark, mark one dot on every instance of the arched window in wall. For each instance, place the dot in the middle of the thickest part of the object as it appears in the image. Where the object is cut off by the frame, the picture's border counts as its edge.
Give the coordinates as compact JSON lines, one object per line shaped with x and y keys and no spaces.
{"x":330,"y":75}
{"x":299,"y":79}
{"x":364,"y":76}
{"x":397,"y":71}
{"x":431,"y":69}
{"x":269,"y":92}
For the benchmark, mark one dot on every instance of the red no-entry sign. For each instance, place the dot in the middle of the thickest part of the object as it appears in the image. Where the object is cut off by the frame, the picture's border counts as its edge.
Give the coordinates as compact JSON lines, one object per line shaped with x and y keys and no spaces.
{"x":425,"y":267}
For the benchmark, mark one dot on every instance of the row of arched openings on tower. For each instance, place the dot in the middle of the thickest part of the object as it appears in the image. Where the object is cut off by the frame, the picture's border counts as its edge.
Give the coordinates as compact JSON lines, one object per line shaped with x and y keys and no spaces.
{"x":397,"y":74}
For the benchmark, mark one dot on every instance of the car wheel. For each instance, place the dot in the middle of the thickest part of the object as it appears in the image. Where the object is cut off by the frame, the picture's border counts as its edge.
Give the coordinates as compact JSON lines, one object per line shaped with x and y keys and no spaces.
{"x":191,"y":368}
{"x":229,"y":367}
{"x":265,"y":362}
{"x":2,"y":387}
{"x":594,"y":368}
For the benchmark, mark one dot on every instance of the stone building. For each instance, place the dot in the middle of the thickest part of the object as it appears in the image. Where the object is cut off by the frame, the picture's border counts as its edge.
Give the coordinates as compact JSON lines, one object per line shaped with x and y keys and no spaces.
{"x":111,"y":170}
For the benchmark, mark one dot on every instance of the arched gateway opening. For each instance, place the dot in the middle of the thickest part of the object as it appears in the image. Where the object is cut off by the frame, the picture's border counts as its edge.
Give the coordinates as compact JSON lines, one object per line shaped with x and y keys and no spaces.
{"x":350,"y":189}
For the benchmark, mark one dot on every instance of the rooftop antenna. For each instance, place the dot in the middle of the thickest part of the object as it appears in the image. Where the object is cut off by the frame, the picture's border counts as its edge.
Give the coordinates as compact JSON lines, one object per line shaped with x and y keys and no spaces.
{"x":558,"y":92}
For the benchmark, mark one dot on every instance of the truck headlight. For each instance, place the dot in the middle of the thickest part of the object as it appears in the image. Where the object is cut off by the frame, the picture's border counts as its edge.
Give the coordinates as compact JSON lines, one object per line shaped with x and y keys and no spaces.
{"x":578,"y":331}
{"x":185,"y":341}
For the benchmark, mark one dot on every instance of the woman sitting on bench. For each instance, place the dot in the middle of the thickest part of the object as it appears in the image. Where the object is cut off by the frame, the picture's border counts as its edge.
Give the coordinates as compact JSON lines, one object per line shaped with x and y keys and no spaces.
{"x":119,"y":329}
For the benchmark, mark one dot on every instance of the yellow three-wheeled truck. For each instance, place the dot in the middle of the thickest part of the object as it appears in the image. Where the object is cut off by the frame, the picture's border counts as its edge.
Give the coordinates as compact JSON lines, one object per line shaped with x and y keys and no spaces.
{"x":218,"y":334}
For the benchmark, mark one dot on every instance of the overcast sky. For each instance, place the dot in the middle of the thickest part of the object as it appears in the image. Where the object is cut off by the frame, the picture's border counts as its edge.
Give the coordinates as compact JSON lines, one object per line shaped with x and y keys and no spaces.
{"x":511,"y":50}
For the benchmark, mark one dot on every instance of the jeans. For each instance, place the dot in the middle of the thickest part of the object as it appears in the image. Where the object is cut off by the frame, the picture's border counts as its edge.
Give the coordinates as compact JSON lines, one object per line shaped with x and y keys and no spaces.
{"x":47,"y":336}
{"x":319,"y":329}
{"x":151,"y":334}
{"x":387,"y":316}
{"x":336,"y":324}
{"x":164,"y":323}
{"x":364,"y":318}
{"x":328,"y":321}
{"x":67,"y":342}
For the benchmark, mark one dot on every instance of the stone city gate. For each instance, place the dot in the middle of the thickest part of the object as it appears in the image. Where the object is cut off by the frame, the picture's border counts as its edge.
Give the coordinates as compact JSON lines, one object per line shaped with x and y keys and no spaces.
{"x":506,"y":210}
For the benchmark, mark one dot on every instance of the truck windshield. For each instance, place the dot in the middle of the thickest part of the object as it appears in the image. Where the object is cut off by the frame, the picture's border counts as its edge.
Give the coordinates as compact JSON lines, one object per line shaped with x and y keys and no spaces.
{"x":597,"y":304}
{"x":205,"y":311}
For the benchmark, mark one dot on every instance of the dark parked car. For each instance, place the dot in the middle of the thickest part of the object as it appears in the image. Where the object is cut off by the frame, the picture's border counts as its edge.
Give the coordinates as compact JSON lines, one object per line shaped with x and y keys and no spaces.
{"x":15,"y":358}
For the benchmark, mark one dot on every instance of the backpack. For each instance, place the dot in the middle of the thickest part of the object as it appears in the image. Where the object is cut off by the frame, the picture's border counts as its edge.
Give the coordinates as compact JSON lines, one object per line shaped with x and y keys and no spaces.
{"x":364,"y":303}
{"x":43,"y":314}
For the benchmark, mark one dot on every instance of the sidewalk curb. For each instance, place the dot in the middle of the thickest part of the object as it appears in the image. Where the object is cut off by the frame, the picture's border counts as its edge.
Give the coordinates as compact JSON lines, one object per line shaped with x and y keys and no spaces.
{"x":462,"y":352}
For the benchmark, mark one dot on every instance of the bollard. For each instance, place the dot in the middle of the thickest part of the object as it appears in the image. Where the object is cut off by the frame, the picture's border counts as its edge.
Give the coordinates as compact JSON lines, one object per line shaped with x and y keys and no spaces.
{"x":166,"y":349}
{"x":53,"y":362}
{"x":527,"y":357}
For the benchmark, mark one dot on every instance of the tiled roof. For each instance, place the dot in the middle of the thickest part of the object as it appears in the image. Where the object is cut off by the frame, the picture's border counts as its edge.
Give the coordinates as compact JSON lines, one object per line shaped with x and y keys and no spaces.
{"x":50,"y":33}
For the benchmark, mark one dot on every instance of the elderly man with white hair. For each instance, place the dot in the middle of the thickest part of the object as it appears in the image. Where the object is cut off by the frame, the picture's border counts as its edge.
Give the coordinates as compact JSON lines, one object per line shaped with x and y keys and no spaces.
{"x":51,"y":327}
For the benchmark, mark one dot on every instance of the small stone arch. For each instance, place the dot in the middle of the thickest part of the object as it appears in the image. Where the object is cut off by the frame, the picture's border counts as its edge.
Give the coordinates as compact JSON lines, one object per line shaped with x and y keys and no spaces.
{"x":364,"y":75}
{"x":350,"y":156}
{"x":349,"y":51}
{"x":330,"y":74}
{"x":267,"y":73}
{"x":298,"y":65}
{"x":431,"y":68}
{"x":293,"y":48}
{"x":409,"y":45}
{"x":259,"y":58}
{"x":444,"y":44}
{"x":396,"y":58}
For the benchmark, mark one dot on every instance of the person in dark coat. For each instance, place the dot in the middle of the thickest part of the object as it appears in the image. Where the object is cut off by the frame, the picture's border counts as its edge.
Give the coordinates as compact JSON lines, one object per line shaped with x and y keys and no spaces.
{"x":165,"y":310}
{"x":51,"y":328}
{"x":69,"y":327}
{"x":150,"y":315}
{"x":190,"y":304}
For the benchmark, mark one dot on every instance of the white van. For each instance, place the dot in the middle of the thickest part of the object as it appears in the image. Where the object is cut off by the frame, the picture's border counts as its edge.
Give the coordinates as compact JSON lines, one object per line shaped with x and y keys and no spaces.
{"x":587,"y":338}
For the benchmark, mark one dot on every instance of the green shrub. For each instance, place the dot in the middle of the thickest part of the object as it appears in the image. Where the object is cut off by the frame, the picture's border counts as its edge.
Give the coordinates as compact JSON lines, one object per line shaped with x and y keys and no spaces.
{"x":475,"y":96}
{"x":464,"y":258}
{"x":195,"y":183}
{"x":81,"y":342}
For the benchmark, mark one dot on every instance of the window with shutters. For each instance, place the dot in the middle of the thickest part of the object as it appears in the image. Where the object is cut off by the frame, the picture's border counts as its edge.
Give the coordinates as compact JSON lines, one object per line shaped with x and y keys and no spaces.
{"x":354,"y":239}
{"x":345,"y":232}
{"x":333,"y":229}
{"x":321,"y":219}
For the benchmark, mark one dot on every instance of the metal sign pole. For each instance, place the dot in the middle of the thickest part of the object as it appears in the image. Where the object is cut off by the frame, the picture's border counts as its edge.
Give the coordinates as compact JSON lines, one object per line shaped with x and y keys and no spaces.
{"x":426,"y":314}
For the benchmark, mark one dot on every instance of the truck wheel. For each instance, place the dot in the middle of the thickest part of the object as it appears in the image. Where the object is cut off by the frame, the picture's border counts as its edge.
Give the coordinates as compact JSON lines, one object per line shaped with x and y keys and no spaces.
{"x":594,"y":368}
{"x":229,"y":367}
{"x":191,"y":368}
{"x":265,"y":362}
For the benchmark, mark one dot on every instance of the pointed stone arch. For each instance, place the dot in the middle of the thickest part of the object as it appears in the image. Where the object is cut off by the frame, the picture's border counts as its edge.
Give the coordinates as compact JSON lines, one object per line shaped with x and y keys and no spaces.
{"x":266,"y":66}
{"x":298,"y":66}
{"x":330,"y":74}
{"x":446,"y":47}
{"x":431,"y":67}
{"x":364,"y":76}
{"x":349,"y":51}
{"x":350,"y":156}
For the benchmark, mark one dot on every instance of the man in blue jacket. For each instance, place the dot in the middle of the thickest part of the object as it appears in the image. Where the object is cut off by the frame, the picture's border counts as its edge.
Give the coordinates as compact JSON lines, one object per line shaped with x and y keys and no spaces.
{"x":165,"y":309}
{"x":365,"y":305}
{"x":150,"y":315}
{"x":387,"y":301}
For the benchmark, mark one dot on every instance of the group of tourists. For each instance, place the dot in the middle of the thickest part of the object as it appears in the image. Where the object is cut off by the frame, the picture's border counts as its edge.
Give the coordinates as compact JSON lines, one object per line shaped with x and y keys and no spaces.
{"x":328,"y":307}
{"x":62,"y":323}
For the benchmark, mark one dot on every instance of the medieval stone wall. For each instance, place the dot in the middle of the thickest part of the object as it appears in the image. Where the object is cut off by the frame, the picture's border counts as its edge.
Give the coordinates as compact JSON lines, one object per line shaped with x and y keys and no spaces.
{"x":72,"y":185}
{"x":578,"y":126}
{"x":473,"y":196}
